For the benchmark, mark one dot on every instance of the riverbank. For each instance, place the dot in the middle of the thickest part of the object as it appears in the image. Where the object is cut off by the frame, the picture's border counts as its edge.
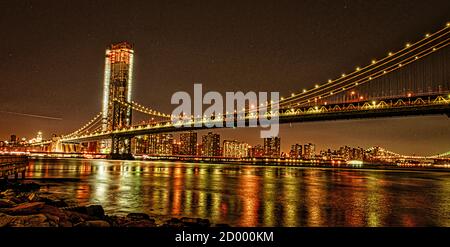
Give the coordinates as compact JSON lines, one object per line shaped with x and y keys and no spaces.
{"x":22,"y":205}
{"x":324,"y":165}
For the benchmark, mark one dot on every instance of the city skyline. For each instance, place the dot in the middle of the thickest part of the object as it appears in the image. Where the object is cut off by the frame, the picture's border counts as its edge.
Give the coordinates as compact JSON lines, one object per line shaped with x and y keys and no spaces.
{"x":419,"y":135}
{"x":170,"y":115}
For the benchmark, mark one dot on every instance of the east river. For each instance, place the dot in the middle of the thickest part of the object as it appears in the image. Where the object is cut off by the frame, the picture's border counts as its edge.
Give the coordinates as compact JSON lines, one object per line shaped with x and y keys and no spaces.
{"x":246,"y":195}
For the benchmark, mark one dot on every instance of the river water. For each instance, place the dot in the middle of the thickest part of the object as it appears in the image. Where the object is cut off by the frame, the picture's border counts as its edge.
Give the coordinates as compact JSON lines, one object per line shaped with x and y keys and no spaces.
{"x":245,"y":195}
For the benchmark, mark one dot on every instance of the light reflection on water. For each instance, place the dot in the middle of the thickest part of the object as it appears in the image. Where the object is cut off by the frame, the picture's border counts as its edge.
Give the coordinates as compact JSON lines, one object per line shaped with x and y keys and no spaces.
{"x":253,"y":195}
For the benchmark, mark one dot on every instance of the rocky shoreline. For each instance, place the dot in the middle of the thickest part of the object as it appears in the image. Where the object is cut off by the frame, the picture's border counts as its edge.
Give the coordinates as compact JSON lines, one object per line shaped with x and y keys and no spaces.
{"x":21,"y":205}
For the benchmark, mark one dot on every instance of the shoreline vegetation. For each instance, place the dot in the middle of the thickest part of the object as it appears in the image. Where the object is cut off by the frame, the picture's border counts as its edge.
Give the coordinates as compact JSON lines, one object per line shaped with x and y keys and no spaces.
{"x":22,"y":205}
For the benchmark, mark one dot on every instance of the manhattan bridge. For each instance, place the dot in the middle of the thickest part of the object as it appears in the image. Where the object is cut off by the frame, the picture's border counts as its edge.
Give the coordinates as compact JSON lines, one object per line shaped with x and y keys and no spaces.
{"x":414,"y":80}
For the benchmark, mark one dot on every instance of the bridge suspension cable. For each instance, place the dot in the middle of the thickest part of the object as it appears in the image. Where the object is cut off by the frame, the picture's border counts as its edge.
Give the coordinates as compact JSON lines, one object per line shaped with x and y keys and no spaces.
{"x":140,"y":108}
{"x":409,"y":48}
{"x":85,"y":127}
{"x":378,"y":74}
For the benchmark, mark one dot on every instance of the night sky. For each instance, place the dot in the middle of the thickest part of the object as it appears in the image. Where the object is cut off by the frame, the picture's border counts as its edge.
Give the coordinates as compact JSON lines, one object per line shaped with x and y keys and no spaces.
{"x":52,"y":59}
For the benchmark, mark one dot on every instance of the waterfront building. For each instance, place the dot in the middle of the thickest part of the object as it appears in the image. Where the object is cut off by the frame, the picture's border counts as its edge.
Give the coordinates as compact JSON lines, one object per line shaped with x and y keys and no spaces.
{"x":255,"y":151}
{"x":272,"y":147}
{"x":309,"y":151}
{"x":235,"y":149}
{"x":157,"y":144}
{"x":188,"y":143}
{"x":296,"y":151}
{"x":211,"y":144}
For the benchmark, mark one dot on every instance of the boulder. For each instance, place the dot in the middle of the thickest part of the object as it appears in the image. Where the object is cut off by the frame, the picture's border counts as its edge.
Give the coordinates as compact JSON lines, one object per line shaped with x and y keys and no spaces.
{"x":93,"y":223}
{"x":25,"y":208}
{"x":79,"y":209}
{"x":75,"y":217}
{"x":51,"y":210}
{"x":5,"y":203}
{"x":195,"y":222}
{"x":138,"y":216}
{"x":33,"y":197}
{"x":52,"y":220}
{"x":5,"y":219}
{"x":95,"y":211}
{"x":174,"y":222}
{"x":117,"y":221}
{"x":36,"y":220}
{"x":140,"y":223}
{"x":221,"y":225}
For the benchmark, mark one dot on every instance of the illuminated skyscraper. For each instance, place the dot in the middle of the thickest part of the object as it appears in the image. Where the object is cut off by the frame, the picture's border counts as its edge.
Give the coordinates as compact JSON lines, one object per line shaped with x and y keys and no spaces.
{"x":188,"y":143}
{"x":272,"y":147}
{"x":117,"y":86}
{"x":309,"y":151}
{"x":235,"y":149}
{"x":39,"y":137}
{"x":211,"y":144}
{"x":296,"y":151}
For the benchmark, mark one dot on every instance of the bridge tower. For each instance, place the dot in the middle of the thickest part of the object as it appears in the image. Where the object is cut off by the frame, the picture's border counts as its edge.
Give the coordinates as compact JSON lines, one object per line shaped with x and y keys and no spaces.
{"x":117,"y":85}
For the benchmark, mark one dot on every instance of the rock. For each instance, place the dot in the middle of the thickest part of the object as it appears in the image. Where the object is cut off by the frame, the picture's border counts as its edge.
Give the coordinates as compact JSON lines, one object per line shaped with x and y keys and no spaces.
{"x":50,"y":210}
{"x":56,"y":203}
{"x":140,"y":223}
{"x":93,"y":223}
{"x":33,"y":197}
{"x":52,"y":220}
{"x":5,"y":219}
{"x":117,"y":221}
{"x":8,"y":193}
{"x":75,"y":217}
{"x":174,"y":222}
{"x":65,"y":223}
{"x":138,"y":216}
{"x":17,"y":200}
{"x":95,"y":211}
{"x":196,"y":222}
{"x":36,"y":220}
{"x":222,"y":225}
{"x":80,"y":209}
{"x":5,"y":203}
{"x":25,"y":208}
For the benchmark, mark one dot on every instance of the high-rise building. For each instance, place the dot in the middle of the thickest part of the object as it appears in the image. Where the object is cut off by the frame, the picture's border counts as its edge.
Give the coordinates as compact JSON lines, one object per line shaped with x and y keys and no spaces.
{"x":158,"y":144}
{"x":211,"y":144}
{"x":309,"y":151}
{"x":256,"y":151}
{"x":140,"y":144}
{"x":13,"y":140}
{"x":296,"y":151}
{"x":188,"y":143}
{"x":272,"y":147}
{"x":39,"y":137}
{"x":117,"y":86}
{"x":234,"y":149}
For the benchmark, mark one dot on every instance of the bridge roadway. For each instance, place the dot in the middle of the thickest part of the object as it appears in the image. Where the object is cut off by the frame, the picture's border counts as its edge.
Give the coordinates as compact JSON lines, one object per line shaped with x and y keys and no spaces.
{"x":396,"y":107}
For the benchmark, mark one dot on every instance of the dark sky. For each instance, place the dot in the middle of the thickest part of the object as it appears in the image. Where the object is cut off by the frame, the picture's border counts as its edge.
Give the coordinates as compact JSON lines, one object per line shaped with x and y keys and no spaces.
{"x":52,"y":59}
